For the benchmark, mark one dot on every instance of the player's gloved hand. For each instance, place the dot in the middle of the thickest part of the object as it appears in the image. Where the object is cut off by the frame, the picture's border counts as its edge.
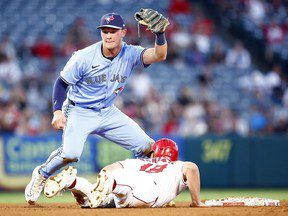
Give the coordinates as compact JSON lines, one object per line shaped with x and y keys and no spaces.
{"x":154,"y":21}
{"x":59,"y":120}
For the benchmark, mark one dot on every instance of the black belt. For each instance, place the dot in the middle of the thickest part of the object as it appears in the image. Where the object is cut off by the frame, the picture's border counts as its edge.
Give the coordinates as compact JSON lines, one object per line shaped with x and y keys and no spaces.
{"x":73,"y":104}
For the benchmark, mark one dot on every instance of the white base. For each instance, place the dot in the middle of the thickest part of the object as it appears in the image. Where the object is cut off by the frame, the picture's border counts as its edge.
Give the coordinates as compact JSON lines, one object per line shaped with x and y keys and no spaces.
{"x":242,"y":201}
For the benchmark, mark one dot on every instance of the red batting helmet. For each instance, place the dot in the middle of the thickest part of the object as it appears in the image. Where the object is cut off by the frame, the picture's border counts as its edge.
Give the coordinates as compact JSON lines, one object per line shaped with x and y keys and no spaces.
{"x":165,"y":148}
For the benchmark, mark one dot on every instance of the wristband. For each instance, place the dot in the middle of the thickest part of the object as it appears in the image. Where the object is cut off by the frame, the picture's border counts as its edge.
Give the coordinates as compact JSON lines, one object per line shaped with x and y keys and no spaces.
{"x":160,"y":39}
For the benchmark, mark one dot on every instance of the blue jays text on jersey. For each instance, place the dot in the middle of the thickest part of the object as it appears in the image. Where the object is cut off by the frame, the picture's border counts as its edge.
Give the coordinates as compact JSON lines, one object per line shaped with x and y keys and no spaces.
{"x":95,"y":80}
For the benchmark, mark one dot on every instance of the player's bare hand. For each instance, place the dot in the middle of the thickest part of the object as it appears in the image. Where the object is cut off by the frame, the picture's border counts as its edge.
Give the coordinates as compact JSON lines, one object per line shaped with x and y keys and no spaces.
{"x":200,"y":204}
{"x":59,"y":120}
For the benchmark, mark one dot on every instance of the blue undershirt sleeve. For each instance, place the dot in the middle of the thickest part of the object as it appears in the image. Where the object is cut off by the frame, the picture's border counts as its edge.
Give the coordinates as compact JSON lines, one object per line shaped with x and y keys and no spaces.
{"x":59,"y":94}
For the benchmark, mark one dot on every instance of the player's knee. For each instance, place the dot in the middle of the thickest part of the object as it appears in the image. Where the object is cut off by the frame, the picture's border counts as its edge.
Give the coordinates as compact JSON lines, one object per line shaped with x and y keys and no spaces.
{"x":68,"y":160}
{"x":147,"y":152}
{"x":72,"y":156}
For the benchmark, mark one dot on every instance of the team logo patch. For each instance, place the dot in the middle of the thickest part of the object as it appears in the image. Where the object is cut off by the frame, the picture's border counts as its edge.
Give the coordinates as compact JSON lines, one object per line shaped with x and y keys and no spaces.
{"x":117,"y":91}
{"x":109,"y":18}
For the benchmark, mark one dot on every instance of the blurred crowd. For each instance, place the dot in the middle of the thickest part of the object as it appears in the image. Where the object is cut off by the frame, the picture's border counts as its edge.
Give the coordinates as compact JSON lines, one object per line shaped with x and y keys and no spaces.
{"x":267,"y":20}
{"x":29,"y":69}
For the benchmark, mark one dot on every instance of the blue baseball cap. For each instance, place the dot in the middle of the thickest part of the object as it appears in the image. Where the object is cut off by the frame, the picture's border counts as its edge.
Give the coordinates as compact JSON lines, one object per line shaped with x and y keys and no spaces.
{"x":112,"y":20}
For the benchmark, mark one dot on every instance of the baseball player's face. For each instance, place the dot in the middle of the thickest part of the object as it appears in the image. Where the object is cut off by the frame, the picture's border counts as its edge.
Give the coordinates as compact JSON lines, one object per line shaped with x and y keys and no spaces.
{"x":112,"y":38}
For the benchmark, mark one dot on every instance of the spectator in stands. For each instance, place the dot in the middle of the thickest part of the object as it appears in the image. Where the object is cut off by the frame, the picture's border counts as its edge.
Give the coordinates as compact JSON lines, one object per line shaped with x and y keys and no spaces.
{"x":194,"y":56}
{"x":67,"y":48}
{"x":285,"y":98}
{"x":179,"y":7}
{"x":78,"y":35}
{"x":253,"y":81}
{"x":171,"y":125}
{"x":202,"y":40}
{"x":43,"y":48}
{"x":24,"y":50}
{"x":10,"y":72}
{"x":241,"y":125}
{"x":226,"y":120}
{"x":256,"y":10}
{"x":8,"y":48}
{"x":217,"y":54}
{"x":18,"y":96}
{"x":140,"y":84}
{"x":173,"y":56}
{"x":154,"y":109}
{"x":279,"y":120}
{"x":285,"y":28}
{"x":281,"y":126}
{"x":132,"y":33}
{"x":238,"y":57}
{"x":258,"y":121}
{"x":260,"y":99}
{"x":213,"y":111}
{"x":202,"y":24}
{"x":275,"y":84}
{"x":271,"y":12}
{"x":193,"y":120}
{"x":184,"y":98}
{"x":275,"y":36}
{"x":9,"y":116}
{"x":202,"y":92}
{"x":181,"y":38}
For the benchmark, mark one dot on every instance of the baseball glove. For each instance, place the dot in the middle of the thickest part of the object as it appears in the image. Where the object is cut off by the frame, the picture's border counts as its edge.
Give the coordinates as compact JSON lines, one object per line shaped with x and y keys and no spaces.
{"x":154,"y":21}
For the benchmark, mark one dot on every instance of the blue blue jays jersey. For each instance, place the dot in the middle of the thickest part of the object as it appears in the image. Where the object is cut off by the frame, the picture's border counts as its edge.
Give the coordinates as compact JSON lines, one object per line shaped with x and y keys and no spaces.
{"x":94,"y":80}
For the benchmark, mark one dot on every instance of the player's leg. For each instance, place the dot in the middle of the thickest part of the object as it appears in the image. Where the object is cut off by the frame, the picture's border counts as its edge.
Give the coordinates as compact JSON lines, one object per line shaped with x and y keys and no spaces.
{"x":99,"y":195}
{"x":119,"y":128}
{"x":62,"y":180}
{"x":78,"y":126}
{"x":128,"y":189}
{"x":82,"y":190}
{"x":134,"y":190}
{"x":67,"y":179}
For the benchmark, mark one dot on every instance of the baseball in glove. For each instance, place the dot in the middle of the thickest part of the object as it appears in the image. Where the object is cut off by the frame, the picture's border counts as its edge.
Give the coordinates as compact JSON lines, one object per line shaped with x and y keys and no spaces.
{"x":154,"y":21}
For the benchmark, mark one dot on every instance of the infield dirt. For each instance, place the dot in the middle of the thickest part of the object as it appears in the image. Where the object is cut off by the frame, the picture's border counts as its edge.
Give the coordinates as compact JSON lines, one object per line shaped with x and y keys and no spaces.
{"x":180,"y":209}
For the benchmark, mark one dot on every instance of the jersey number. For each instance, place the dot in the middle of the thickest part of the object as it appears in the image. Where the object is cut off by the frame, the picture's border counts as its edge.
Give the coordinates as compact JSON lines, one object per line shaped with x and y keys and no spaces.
{"x":155,"y":169}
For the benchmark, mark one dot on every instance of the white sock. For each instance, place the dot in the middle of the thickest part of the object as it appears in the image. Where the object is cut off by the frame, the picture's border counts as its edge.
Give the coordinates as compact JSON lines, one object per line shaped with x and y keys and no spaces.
{"x":83,"y":185}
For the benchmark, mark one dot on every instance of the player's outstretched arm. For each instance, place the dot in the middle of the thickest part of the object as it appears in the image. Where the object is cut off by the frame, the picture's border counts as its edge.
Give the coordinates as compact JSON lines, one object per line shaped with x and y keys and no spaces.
{"x":156,"y":54}
{"x":192,"y":175}
{"x":59,"y":95}
{"x":157,"y":24}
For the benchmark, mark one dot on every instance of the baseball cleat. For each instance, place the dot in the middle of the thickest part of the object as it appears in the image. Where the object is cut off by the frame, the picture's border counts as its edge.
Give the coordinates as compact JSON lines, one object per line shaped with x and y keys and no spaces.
{"x":170,"y":204}
{"x":61,"y":181}
{"x":101,"y":190}
{"x":34,"y":188}
{"x":81,"y":198}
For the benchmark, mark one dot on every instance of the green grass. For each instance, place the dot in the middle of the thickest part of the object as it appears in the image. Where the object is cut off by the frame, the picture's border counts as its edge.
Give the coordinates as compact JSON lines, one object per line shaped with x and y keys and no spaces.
{"x":281,"y":194}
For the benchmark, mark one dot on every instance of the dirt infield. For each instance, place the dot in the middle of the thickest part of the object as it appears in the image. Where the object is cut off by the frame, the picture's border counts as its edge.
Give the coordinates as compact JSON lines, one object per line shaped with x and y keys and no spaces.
{"x":180,"y":209}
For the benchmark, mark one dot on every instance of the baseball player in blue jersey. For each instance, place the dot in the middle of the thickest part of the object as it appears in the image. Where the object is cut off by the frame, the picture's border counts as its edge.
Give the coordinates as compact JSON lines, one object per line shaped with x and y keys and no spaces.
{"x":89,"y":83}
